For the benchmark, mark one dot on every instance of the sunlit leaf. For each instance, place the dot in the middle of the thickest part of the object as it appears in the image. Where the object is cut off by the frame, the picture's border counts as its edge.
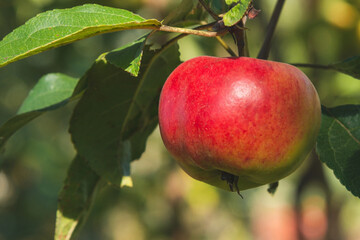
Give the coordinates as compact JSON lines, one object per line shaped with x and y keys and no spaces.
{"x":118,"y":107}
{"x":128,"y":57}
{"x":229,"y":2}
{"x":236,"y":13}
{"x":75,"y":198}
{"x":338,"y":144}
{"x":51,"y":92}
{"x":59,"y":27}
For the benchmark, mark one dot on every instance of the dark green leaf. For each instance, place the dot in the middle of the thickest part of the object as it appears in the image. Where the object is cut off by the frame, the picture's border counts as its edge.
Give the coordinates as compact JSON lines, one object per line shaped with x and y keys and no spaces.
{"x":338,"y":144}
{"x":236,"y":13}
{"x":217,"y":6}
{"x":51,"y":92}
{"x":128,"y":57}
{"x":180,"y":12}
{"x":350,"y":66}
{"x":75,"y":198}
{"x":59,"y":27}
{"x":118,"y":107}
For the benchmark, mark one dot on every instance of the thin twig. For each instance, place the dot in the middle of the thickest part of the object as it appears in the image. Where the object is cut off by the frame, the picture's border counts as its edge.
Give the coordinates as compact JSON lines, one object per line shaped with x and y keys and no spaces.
{"x":265,"y":49}
{"x":209,"y":10}
{"x":180,"y":36}
{"x":310,"y":65}
{"x":226,"y":47}
{"x":187,"y":31}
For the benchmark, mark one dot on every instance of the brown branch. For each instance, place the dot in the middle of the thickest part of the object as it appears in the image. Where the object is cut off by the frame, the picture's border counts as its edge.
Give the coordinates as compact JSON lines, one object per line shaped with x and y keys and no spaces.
{"x":180,"y":36}
{"x":186,"y":31}
{"x":265,"y":49}
{"x":209,"y":10}
{"x":311,"y":65}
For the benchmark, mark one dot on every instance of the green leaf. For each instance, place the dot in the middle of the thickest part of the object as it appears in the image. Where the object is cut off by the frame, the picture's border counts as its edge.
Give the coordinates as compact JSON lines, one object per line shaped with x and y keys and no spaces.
{"x":14,"y":124}
{"x":51,"y":92}
{"x":350,"y":66}
{"x":59,"y":27}
{"x":128,"y":57}
{"x":181,"y":12}
{"x":75,"y":198}
{"x":235,"y":14}
{"x":338,"y":144}
{"x":117,"y":107}
{"x":217,"y":6}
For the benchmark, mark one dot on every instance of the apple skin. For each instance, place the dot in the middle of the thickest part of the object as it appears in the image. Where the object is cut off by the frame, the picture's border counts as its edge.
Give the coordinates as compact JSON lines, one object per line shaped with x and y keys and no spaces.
{"x":254,"y":119}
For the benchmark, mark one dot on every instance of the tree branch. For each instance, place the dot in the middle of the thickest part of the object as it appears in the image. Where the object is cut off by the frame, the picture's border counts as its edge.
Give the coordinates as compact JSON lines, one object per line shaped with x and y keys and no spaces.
{"x":310,"y":65}
{"x":265,"y":49}
{"x":209,"y":10}
{"x":186,"y":31}
{"x":180,"y":36}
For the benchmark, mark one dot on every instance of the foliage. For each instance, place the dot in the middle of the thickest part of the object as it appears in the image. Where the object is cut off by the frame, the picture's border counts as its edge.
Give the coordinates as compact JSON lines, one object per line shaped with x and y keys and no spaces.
{"x":338,"y":144}
{"x":58,"y":27}
{"x":116,"y":98}
{"x":236,"y":13}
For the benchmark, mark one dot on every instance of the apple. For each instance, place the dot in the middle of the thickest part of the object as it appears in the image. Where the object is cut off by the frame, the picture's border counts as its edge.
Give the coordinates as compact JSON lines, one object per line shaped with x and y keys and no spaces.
{"x":238,"y":123}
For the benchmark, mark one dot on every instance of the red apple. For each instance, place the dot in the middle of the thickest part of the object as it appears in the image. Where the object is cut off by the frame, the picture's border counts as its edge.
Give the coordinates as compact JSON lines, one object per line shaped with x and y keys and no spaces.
{"x":240,"y":121}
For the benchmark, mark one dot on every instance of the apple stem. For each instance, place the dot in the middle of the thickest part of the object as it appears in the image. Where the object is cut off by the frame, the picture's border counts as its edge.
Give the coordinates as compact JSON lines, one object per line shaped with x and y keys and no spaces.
{"x":265,"y":49}
{"x":239,"y":34}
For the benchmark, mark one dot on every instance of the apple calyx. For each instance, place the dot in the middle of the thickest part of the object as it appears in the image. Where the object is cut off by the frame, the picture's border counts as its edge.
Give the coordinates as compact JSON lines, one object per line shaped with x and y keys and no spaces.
{"x":232,"y":181}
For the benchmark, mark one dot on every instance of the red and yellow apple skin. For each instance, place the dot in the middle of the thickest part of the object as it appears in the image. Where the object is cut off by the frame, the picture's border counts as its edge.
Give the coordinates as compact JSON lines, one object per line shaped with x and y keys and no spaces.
{"x":252,"y":118}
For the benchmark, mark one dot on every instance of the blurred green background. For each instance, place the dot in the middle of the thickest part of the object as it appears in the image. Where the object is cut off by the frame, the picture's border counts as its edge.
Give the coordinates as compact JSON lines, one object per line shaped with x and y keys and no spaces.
{"x":164,"y":202}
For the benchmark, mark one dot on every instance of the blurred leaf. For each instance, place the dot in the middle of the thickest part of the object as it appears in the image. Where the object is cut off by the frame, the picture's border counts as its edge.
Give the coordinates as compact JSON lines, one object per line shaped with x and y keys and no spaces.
{"x":51,"y":92}
{"x":350,"y":66}
{"x":180,"y":12}
{"x":117,"y":107}
{"x":128,"y":57}
{"x":59,"y":27}
{"x":75,"y":198}
{"x":338,"y":144}
{"x":235,"y":14}
{"x":217,"y":6}
{"x":14,"y":124}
